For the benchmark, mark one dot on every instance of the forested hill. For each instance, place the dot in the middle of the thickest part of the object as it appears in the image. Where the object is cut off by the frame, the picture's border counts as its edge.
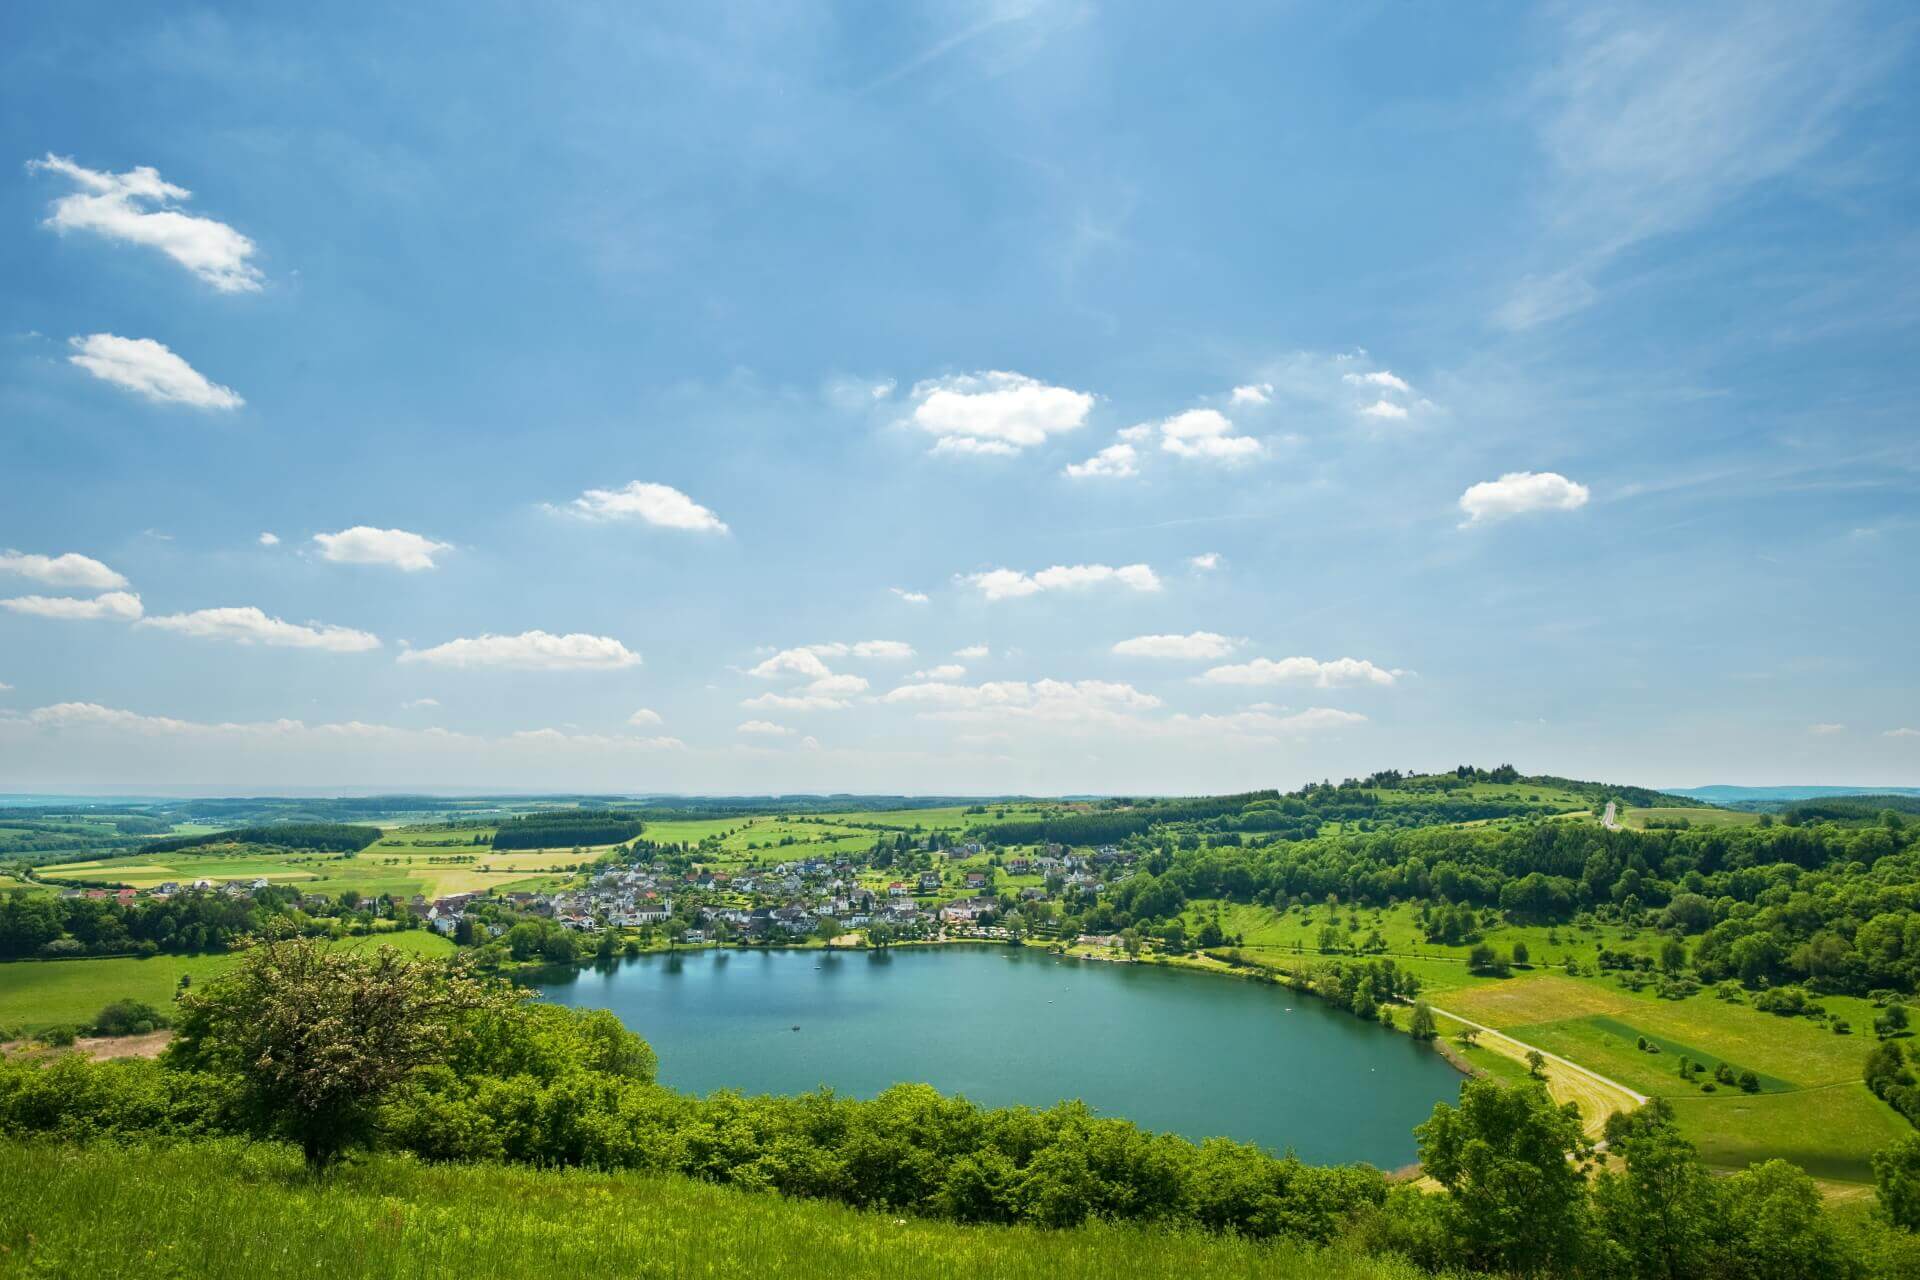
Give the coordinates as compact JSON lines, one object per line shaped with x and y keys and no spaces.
{"x":326,"y":837}
{"x":1387,"y":800}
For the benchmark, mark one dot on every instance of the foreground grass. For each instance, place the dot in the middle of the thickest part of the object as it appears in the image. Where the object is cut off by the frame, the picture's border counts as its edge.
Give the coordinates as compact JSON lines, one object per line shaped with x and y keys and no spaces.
{"x":230,"y":1210}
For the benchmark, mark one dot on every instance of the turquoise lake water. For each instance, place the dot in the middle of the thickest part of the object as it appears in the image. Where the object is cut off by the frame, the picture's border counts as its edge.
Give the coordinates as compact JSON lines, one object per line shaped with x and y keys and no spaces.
{"x":1187,"y":1053}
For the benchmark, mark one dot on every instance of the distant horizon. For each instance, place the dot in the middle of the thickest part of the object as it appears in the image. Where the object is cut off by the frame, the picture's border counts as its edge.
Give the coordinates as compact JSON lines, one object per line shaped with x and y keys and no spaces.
{"x":132,"y":795}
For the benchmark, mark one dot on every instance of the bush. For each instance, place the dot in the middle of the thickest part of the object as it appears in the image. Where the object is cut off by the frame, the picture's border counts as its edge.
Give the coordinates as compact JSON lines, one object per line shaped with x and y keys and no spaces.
{"x":128,"y":1018}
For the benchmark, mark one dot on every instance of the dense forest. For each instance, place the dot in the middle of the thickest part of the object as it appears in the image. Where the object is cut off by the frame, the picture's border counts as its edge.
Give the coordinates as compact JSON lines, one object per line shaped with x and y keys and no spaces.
{"x":1834,"y":906}
{"x":566,"y":828}
{"x":189,"y":923}
{"x":320,"y":837}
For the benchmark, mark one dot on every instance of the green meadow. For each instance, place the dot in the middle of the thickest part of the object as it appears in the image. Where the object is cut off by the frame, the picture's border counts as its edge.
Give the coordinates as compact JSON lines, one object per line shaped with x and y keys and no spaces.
{"x":36,"y":994}
{"x":232,"y":1211}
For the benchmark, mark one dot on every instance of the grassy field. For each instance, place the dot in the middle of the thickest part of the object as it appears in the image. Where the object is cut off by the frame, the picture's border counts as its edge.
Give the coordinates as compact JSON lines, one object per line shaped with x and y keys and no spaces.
{"x":228,"y":1211}
{"x":1638,"y":819}
{"x":35,"y":994}
{"x":403,"y":863}
{"x":1811,"y":1108}
{"x":1268,"y":931}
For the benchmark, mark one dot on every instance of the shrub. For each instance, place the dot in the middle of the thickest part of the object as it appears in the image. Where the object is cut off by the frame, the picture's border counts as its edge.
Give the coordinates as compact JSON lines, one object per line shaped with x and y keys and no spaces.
{"x":128,"y":1018}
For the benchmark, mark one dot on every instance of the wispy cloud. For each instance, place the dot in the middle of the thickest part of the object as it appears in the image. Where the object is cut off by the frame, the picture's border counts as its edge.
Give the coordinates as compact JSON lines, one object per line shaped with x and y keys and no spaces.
{"x":1309,"y":671}
{"x":150,"y":369}
{"x":529,"y":651}
{"x":246,"y":624}
{"x":1194,"y":645}
{"x":660,"y":505}
{"x":119,"y":606}
{"x":139,"y":207}
{"x":1655,"y":117}
{"x":1012,"y":584}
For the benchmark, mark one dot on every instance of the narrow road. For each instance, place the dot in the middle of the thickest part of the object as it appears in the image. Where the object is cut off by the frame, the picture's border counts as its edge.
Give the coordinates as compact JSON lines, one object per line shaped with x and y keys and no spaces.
{"x":1606,"y":819}
{"x":1596,"y":1095}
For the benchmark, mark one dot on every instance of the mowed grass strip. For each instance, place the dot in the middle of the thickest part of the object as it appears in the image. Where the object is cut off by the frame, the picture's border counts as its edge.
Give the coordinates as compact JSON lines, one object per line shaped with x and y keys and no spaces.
{"x":1831,"y":1132}
{"x":229,"y":1211}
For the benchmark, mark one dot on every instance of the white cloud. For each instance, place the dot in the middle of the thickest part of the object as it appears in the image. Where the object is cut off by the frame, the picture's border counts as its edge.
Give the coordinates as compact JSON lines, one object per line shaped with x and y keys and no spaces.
{"x":793,"y":702}
{"x":269,"y":539}
{"x":1258,"y":393}
{"x":766,"y":728}
{"x":972,"y":653}
{"x":946,"y":671}
{"x":1099,"y":701}
{"x":1902,"y":733}
{"x":1115,"y":462}
{"x":1195,"y":645}
{"x":150,"y":369}
{"x":363,"y":544}
{"x":5,"y":687}
{"x":1136,"y":433}
{"x":644,"y":717}
{"x":1324,"y":675}
{"x":529,"y":651}
{"x":1518,"y":492}
{"x":809,"y":743}
{"x":69,"y":570}
{"x":119,"y":605}
{"x":1206,"y":433}
{"x":1206,"y":561}
{"x":247,"y":625}
{"x":1263,"y":724}
{"x":1011,"y":584}
{"x":1378,"y":378}
{"x":911,"y":597}
{"x":1385,"y":409}
{"x":419,"y":704}
{"x":805,"y":660}
{"x":995,"y":412}
{"x":655,"y":504}
{"x":841,"y":686}
{"x":1826,"y":730}
{"x":138,"y":207}
{"x":796,"y":662}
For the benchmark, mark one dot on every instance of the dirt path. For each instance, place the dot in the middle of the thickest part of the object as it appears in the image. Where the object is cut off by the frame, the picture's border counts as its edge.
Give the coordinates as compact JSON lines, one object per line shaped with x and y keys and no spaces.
{"x":1607,"y":818}
{"x":1595,"y":1095}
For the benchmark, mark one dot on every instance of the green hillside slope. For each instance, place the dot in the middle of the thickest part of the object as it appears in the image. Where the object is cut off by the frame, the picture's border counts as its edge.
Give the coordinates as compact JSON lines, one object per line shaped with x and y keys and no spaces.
{"x":233,"y":1211}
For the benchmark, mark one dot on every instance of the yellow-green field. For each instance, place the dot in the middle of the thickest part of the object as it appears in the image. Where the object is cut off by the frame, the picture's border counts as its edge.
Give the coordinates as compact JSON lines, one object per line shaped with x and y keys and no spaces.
{"x":431,"y":863}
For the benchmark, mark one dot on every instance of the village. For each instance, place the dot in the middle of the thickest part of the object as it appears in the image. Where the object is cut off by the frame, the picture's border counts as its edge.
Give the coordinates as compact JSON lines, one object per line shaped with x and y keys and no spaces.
{"x":961,"y":892}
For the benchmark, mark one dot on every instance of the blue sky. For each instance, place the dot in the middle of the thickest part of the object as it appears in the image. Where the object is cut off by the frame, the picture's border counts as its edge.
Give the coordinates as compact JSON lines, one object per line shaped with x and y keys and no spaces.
{"x":954,"y":397}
